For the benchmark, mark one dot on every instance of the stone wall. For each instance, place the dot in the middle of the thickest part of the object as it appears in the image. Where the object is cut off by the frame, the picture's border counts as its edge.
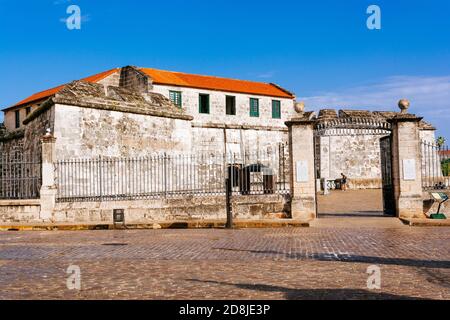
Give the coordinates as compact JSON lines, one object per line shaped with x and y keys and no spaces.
{"x":36,"y":129}
{"x":87,"y":132}
{"x":19,"y":210}
{"x":9,"y":115}
{"x":238,"y":133}
{"x":354,"y":152}
{"x":217,"y":114}
{"x":171,"y":209}
{"x":238,"y":141}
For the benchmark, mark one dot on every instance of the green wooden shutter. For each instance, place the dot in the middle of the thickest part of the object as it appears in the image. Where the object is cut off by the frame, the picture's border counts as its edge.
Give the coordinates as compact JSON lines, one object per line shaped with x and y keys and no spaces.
{"x":254,"y":107}
{"x":276,"y":109}
{"x":175,"y":97}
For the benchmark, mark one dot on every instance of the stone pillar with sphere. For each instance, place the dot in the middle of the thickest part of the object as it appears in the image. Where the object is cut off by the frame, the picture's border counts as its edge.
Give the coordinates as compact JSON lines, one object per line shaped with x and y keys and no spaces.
{"x":406,"y":163}
{"x":301,"y":150}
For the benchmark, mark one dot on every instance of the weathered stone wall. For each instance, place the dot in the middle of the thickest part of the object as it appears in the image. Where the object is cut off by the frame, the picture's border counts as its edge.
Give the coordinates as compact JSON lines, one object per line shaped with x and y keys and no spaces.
{"x":238,"y":141}
{"x":238,"y":133}
{"x":354,"y":152}
{"x":14,"y":142}
{"x":36,"y":129}
{"x":171,"y":209}
{"x":9,"y":115}
{"x":19,"y":210}
{"x":111,"y":80}
{"x":217,"y":114}
{"x":88,"y":132}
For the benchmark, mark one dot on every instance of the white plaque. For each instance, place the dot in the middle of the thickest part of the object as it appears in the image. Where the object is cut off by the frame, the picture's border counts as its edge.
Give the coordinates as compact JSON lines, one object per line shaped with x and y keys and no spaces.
{"x":409,"y":169}
{"x":302,"y":171}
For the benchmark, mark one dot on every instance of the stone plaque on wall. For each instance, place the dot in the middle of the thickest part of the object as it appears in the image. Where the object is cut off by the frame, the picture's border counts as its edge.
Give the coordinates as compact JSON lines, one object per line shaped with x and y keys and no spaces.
{"x":302,"y":171}
{"x":409,"y":169}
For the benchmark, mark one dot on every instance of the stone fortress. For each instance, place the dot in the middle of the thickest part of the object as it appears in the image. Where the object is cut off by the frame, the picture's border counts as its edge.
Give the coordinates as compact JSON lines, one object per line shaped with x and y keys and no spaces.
{"x":131,"y":111}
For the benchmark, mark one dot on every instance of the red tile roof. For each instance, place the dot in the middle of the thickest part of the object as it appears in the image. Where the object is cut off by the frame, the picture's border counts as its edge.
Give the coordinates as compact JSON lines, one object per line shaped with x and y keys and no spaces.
{"x":50,"y":92}
{"x":182,"y":80}
{"x":215,"y":83}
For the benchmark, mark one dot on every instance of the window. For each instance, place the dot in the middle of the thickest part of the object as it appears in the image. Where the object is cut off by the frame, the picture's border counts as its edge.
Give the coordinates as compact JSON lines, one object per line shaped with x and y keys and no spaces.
{"x":203,"y":103}
{"x":17,"y":114}
{"x":175,"y":97}
{"x":254,"y":107}
{"x":230,"y":105}
{"x":28,"y":110}
{"x":276,"y":109}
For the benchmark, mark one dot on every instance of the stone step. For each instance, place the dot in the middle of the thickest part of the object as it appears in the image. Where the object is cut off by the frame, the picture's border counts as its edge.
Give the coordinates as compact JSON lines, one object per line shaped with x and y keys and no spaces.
{"x":358,"y":222}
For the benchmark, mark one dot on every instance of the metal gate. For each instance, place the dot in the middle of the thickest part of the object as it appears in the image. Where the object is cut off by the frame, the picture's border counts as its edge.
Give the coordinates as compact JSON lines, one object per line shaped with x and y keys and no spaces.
{"x":386,"y":176}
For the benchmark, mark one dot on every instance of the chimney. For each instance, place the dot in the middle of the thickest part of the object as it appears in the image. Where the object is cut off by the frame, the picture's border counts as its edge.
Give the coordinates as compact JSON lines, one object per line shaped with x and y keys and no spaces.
{"x":134,"y":80}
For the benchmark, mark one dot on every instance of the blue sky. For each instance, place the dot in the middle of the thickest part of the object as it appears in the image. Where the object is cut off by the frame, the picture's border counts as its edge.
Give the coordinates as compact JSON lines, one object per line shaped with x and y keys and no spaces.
{"x":320,"y":50}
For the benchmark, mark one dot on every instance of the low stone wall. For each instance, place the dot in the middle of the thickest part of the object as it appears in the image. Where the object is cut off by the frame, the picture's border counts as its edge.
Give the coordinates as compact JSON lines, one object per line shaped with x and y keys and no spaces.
{"x":186,"y":208}
{"x":364,"y":183}
{"x":19,"y":210}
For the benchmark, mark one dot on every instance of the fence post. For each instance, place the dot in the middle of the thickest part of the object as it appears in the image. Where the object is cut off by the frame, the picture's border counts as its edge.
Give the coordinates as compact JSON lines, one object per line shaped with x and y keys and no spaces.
{"x":303,"y":180}
{"x":229,"y":223}
{"x":48,"y":188}
{"x":407,"y":164}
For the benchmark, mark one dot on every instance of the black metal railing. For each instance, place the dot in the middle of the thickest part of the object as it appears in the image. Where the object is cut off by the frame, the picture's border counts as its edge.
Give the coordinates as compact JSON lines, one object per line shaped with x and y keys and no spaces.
{"x":161,"y":176}
{"x":435,"y":166}
{"x":20,"y":175}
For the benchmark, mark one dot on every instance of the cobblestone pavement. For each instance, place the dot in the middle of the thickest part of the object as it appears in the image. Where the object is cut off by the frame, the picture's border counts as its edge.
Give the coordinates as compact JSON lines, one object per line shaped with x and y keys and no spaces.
{"x":351,"y":203}
{"x":323,"y":262}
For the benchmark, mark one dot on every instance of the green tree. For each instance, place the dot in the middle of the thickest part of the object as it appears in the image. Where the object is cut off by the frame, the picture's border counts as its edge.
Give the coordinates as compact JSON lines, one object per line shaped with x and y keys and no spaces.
{"x":440,"y":141}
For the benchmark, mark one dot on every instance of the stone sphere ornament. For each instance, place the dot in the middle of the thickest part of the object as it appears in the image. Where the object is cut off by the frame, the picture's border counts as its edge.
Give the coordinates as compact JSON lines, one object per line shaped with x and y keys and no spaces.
{"x":403,"y":104}
{"x":299,"y":107}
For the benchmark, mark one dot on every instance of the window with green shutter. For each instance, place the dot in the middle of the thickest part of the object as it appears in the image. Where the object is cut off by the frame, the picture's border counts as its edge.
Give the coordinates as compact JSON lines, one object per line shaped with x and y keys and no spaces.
{"x":254,"y":107}
{"x":203,"y":103}
{"x":276,"y":109}
{"x":175,"y":97}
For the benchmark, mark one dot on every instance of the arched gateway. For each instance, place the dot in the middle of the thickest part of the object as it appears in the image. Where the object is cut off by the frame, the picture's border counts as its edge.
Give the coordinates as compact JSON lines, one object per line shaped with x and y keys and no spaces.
{"x":376,"y":149}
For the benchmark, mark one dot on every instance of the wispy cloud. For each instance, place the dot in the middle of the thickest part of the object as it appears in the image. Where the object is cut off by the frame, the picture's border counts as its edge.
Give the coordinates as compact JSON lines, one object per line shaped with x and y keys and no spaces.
{"x":429,"y":96}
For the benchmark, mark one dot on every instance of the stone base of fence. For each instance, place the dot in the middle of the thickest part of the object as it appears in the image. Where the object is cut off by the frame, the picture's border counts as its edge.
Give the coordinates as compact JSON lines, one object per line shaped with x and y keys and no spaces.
{"x":147,"y":211}
{"x":172,"y":209}
{"x":20,"y":210}
{"x":192,"y":224}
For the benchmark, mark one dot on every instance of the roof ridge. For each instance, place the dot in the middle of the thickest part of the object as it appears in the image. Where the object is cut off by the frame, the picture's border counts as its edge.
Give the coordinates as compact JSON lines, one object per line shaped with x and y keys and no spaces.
{"x":208,"y":76}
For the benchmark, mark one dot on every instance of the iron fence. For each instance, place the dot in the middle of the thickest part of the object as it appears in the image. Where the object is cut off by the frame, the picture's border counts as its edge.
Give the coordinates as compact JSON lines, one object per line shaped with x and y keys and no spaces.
{"x":20,"y":175}
{"x":161,"y":176}
{"x":435,"y":166}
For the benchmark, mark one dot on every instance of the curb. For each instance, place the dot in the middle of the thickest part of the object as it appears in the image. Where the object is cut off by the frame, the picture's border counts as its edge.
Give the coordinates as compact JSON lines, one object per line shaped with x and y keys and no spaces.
{"x":426,"y":222}
{"x":219,"y":224}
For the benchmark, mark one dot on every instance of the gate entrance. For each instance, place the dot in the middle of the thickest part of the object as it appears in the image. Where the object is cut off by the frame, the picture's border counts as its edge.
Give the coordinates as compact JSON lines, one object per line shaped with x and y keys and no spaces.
{"x":353,"y":146}
{"x":386,"y":176}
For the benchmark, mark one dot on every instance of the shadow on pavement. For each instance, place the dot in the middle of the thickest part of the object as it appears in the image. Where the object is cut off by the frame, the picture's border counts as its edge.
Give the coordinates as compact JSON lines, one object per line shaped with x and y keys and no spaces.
{"x":353,"y":258}
{"x":314,"y":294}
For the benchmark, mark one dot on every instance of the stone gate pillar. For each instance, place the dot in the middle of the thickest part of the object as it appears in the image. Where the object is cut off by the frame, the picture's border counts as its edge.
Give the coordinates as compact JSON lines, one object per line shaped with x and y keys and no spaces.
{"x":48,"y":188}
{"x":406,"y":163}
{"x":301,"y":153}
